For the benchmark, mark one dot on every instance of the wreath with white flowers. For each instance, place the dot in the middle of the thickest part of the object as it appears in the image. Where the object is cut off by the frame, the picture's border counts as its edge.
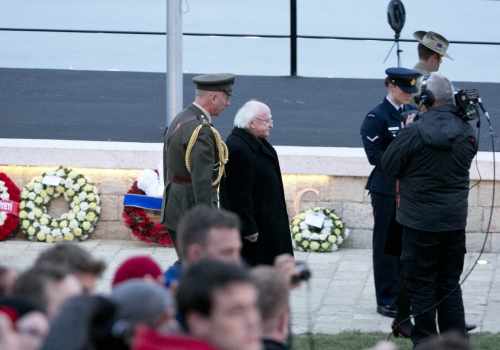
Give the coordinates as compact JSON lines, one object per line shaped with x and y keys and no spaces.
{"x":9,"y":206}
{"x":318,"y":230}
{"x":78,"y":223}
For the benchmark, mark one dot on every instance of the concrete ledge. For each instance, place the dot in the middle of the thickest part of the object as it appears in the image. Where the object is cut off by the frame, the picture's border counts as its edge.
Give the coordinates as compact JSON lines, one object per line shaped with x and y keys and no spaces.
{"x":336,"y":161}
{"x":86,"y":154}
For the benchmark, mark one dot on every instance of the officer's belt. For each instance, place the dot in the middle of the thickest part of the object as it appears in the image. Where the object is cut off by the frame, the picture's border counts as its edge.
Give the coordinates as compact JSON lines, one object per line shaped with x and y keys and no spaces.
{"x":181,"y":180}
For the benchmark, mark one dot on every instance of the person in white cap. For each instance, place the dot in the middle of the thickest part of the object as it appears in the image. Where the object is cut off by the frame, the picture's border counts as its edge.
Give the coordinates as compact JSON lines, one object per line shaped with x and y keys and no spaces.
{"x":432,"y":47}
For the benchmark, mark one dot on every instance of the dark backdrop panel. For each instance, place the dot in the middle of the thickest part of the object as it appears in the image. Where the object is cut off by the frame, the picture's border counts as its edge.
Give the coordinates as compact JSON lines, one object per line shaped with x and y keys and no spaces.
{"x":130,"y":106}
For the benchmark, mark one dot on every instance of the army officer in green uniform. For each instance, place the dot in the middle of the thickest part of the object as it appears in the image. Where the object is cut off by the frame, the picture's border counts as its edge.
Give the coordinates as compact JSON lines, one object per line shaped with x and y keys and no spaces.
{"x":194,"y":154}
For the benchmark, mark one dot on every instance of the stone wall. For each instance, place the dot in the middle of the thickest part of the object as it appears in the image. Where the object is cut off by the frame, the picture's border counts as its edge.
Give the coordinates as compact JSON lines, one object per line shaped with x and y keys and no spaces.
{"x":347,"y":195}
{"x":313,"y":176}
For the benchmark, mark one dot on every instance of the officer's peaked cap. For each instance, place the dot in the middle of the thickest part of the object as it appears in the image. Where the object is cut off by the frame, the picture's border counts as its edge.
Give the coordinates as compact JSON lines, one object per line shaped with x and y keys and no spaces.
{"x":404,"y":78}
{"x":215,"y":82}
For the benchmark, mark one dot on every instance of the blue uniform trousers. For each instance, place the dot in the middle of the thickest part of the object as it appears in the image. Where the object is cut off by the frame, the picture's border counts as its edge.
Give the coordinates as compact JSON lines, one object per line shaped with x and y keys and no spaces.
{"x":385,"y":267}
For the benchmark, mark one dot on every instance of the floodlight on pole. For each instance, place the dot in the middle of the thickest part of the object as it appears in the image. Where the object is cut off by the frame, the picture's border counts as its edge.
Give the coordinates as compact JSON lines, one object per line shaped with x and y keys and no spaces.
{"x":396,"y":16}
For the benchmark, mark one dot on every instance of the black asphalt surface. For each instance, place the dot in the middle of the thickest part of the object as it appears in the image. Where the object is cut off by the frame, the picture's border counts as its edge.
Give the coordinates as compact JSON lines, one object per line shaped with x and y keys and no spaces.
{"x":130,"y":106}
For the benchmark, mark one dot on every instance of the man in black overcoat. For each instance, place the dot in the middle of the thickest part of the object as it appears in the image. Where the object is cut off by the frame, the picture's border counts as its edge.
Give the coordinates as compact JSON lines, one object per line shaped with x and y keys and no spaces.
{"x":253,"y":187}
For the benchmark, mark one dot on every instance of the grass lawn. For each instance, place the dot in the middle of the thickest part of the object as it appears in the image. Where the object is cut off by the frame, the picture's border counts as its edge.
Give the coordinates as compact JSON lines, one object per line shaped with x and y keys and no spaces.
{"x":360,"y":341}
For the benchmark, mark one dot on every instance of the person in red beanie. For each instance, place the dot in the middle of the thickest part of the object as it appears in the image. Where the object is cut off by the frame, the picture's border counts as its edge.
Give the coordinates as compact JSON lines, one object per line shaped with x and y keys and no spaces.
{"x":143,"y":267}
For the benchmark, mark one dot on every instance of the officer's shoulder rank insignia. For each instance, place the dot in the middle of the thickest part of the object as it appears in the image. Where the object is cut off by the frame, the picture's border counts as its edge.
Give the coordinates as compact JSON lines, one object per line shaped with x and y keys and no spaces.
{"x":204,"y":119}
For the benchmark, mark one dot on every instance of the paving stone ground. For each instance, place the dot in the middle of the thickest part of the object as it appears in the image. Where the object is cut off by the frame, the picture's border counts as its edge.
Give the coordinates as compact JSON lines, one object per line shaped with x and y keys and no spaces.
{"x":341,"y":294}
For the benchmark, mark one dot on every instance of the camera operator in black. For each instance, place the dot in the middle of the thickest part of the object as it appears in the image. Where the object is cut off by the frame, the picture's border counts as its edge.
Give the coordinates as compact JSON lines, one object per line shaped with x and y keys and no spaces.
{"x":431,"y":158}
{"x":379,"y":129}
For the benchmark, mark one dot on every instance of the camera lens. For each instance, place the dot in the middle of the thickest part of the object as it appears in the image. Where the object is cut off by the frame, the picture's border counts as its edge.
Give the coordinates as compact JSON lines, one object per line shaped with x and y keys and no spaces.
{"x":302,"y":272}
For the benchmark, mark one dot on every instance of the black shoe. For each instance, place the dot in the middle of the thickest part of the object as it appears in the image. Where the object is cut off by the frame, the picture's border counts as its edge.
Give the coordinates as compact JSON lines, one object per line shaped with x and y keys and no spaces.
{"x":403,"y":329}
{"x":387,"y":310}
{"x":470,"y":326}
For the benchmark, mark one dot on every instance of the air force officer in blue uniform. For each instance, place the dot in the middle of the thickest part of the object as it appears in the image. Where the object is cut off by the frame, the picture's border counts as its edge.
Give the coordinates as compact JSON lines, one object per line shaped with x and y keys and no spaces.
{"x":380,"y":126}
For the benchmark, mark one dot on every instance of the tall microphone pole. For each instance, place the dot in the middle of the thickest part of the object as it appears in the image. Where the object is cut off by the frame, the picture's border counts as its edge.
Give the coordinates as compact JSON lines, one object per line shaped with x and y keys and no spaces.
{"x":396,"y":16}
{"x":398,"y":50}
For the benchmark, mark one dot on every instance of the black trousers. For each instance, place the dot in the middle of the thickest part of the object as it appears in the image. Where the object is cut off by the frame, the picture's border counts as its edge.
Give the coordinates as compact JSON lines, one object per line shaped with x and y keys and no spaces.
{"x":249,"y":253}
{"x":432,"y":265}
{"x":386,"y":269}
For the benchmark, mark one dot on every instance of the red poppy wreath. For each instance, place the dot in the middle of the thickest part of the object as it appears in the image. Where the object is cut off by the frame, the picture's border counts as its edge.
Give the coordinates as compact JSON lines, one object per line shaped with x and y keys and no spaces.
{"x":10,"y":196}
{"x":142,"y":222}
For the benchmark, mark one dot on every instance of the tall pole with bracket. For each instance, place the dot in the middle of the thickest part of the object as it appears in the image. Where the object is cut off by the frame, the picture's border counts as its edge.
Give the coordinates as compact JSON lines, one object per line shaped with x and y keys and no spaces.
{"x":174,"y":59}
{"x":293,"y":38}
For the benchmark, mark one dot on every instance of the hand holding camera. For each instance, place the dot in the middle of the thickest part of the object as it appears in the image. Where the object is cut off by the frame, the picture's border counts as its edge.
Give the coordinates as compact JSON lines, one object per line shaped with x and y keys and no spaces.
{"x":296,"y":271}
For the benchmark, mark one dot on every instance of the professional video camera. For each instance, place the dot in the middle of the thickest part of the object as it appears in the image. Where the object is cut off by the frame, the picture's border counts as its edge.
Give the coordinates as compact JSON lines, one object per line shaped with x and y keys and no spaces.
{"x":468,"y":102}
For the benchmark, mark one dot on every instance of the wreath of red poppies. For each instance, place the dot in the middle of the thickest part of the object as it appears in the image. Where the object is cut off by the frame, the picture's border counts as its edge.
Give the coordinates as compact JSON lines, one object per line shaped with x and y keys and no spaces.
{"x":9,"y":207}
{"x":142,"y":225}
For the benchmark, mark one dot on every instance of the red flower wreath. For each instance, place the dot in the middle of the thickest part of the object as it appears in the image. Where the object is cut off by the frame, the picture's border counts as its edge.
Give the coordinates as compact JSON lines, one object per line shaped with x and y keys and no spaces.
{"x":9,"y":207}
{"x":142,"y":226}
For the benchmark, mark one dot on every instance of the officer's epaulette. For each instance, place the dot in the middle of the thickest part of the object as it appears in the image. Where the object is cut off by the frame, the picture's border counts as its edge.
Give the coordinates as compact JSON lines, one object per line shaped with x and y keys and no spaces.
{"x":204,"y":120}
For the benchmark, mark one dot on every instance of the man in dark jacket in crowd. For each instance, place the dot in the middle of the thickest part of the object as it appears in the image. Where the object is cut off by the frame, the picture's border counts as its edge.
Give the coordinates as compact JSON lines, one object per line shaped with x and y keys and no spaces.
{"x":205,"y":233}
{"x":217,"y":303}
{"x":253,"y":188}
{"x":431,"y":158}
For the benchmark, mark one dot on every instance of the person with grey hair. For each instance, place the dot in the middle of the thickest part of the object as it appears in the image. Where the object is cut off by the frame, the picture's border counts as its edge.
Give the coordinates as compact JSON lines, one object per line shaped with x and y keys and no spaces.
{"x":253,"y":187}
{"x":435,"y":91}
{"x":431,"y":158}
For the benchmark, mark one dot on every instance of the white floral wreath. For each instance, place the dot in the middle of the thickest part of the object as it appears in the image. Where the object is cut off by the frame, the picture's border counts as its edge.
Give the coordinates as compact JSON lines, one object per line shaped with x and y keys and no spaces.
{"x":318,"y":230}
{"x":77,"y":223}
